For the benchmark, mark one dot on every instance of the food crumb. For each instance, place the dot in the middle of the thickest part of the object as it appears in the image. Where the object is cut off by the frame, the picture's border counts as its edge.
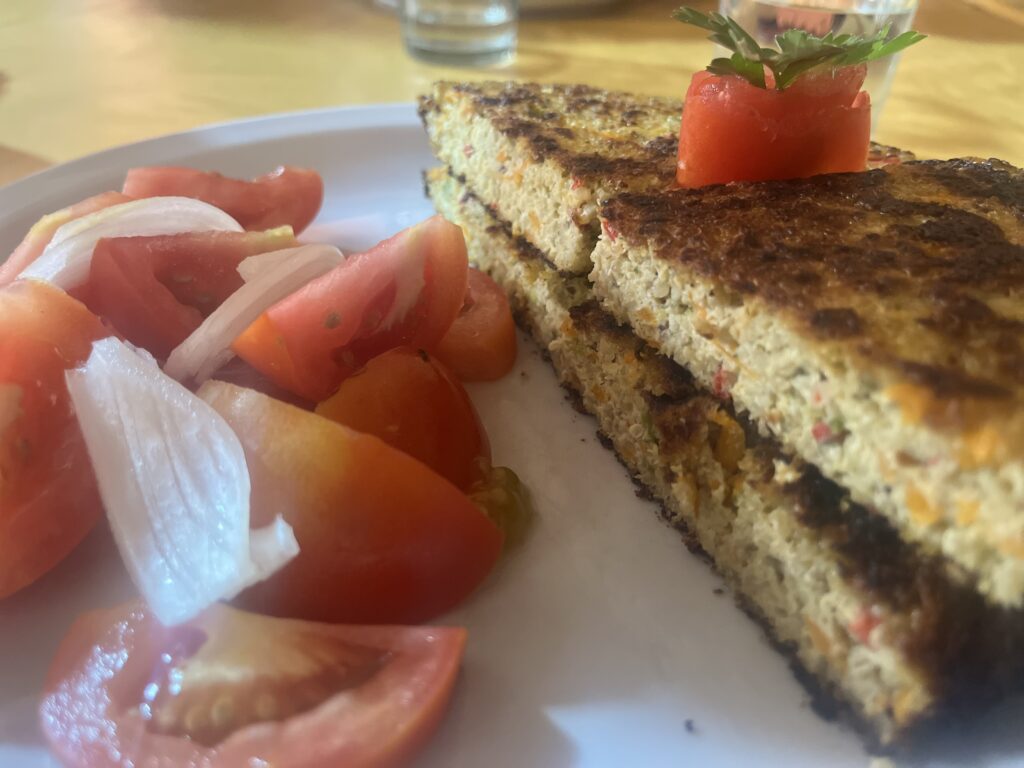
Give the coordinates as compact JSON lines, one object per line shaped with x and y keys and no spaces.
{"x":691,"y":727}
{"x":718,"y":591}
{"x":524,"y":375}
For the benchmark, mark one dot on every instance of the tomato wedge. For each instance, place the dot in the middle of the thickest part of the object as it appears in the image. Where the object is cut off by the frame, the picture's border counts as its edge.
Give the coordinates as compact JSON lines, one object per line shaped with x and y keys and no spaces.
{"x":383,"y":538}
{"x":734,"y":131}
{"x":157,"y":290}
{"x":236,"y":690}
{"x":48,"y":495}
{"x":406,"y":290}
{"x":411,"y":401}
{"x":287,"y":196}
{"x":42,"y":232}
{"x":481,"y":344}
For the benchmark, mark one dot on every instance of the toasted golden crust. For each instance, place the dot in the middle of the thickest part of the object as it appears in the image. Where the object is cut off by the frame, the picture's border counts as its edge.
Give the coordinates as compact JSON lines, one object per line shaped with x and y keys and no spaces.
{"x":544,"y":156}
{"x":603,"y":138}
{"x":872,"y":321}
{"x":917,"y":268}
{"x":870,"y":619}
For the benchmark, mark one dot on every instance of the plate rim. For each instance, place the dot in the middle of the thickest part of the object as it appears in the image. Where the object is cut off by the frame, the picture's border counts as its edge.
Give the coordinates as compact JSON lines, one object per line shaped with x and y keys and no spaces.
{"x":23,"y":193}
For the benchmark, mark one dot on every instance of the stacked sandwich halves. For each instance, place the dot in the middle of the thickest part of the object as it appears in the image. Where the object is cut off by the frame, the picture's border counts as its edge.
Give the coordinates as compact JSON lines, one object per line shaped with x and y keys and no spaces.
{"x":822,"y":381}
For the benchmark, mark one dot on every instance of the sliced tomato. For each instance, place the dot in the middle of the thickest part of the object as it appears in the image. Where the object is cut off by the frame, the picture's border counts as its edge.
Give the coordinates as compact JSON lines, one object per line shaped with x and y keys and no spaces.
{"x":48,"y":495}
{"x":411,"y":401}
{"x":735,"y":131}
{"x":43,"y":230}
{"x":406,"y":290}
{"x":157,"y":290}
{"x":481,"y":344}
{"x":382,"y":537}
{"x":287,"y":196}
{"x":236,"y":690}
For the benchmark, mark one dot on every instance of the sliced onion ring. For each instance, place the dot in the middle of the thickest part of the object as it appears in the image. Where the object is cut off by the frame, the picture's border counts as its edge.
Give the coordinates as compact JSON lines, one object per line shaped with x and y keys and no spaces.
{"x":209,"y":346}
{"x":173,"y":479}
{"x":67,"y":258}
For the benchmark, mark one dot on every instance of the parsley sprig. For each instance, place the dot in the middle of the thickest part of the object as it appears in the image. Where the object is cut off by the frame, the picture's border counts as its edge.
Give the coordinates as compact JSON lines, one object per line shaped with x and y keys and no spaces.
{"x":799,"y":51}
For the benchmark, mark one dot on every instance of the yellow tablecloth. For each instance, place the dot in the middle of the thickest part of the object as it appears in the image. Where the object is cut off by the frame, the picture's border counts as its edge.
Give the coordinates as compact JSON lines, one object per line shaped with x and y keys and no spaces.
{"x":77,"y":76}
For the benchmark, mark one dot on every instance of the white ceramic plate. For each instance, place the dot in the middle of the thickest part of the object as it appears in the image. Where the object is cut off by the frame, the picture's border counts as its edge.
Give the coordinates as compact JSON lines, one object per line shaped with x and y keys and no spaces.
{"x":591,"y":646}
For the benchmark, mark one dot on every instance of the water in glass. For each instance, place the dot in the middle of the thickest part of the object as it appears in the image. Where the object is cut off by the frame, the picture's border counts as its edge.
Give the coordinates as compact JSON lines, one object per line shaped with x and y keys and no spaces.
{"x":460,"y":32}
{"x":765,"y":19}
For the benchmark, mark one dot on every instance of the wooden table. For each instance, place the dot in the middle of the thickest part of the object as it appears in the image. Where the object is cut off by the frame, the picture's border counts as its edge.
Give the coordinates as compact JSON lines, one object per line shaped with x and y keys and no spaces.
{"x":78,"y":76}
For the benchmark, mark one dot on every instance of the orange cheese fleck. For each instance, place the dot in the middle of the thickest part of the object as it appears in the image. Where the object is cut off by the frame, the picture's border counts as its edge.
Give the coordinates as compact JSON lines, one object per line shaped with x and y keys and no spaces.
{"x":967,"y":512}
{"x":921,"y":510}
{"x":913,"y":401}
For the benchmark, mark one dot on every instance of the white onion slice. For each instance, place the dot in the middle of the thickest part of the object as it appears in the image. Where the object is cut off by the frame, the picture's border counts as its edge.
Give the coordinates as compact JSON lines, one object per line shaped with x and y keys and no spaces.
{"x":66,"y":260}
{"x":254,"y":266}
{"x":173,"y":479}
{"x":209,"y":346}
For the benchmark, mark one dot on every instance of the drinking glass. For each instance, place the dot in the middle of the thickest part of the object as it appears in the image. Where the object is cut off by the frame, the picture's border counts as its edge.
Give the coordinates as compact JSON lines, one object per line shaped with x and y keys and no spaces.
{"x":764,"y":19}
{"x":471,"y":33}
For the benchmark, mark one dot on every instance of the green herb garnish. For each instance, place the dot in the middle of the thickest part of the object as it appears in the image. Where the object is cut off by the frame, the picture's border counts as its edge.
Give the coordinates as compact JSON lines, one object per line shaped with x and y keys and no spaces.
{"x":799,"y":51}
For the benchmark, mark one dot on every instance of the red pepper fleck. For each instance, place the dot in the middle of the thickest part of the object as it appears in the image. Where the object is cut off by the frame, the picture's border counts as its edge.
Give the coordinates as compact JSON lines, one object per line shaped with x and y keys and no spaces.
{"x":577,"y":182}
{"x":468,"y":150}
{"x":722,"y":383}
{"x":822,"y":432}
{"x":864,"y":624}
{"x":612,"y":232}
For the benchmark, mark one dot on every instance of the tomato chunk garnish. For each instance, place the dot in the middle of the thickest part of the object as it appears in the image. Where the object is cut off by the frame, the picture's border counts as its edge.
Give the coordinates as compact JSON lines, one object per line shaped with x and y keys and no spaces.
{"x":287,"y":196}
{"x":235,"y":690}
{"x":735,"y":131}
{"x":406,"y":290}
{"x":48,"y":495}
{"x":382,"y":537}
{"x":411,"y":401}
{"x":481,"y":344}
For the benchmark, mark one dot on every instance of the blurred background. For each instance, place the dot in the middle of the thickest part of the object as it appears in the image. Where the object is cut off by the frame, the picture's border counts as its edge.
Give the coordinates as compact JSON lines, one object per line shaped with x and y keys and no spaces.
{"x":77,"y":76}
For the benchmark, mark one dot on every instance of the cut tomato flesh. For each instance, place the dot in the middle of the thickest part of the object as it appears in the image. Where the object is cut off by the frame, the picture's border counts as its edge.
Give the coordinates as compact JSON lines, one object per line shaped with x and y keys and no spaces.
{"x":287,"y":196}
{"x":406,"y":290}
{"x":411,"y":401}
{"x":157,"y":290}
{"x":48,"y":495}
{"x":233,"y":690}
{"x":481,"y":344}
{"x":382,"y":537}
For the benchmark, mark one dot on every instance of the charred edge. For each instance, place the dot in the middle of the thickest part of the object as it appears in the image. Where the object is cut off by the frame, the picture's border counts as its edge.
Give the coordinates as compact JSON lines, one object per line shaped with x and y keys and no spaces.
{"x":933,"y":254}
{"x":524,"y":248}
{"x":963,"y":645}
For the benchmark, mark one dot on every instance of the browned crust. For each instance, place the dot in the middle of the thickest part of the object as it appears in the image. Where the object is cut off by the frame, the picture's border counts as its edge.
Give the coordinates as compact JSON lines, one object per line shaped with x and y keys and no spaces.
{"x":601,"y":138}
{"x":910,"y":267}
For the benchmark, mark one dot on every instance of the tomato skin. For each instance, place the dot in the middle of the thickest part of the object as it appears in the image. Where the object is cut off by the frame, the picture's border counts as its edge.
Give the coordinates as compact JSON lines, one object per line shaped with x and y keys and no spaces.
{"x":412,"y":402}
{"x":481,"y":343}
{"x":42,"y":232}
{"x":48,"y":495}
{"x":734,"y":131}
{"x":286,"y":196}
{"x":309,"y":342}
{"x":90,"y":708}
{"x":157,"y":290}
{"x":382,"y":538}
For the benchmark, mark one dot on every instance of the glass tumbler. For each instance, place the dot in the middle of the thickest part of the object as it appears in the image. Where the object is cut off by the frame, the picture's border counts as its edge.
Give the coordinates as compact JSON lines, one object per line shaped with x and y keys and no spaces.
{"x":765,"y":19}
{"x":473,"y":33}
